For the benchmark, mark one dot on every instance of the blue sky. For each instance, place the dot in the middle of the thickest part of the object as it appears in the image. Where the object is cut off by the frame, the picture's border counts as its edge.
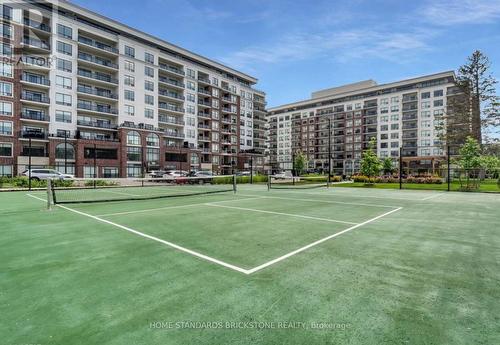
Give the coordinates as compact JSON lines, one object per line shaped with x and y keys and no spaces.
{"x":295,"y":47}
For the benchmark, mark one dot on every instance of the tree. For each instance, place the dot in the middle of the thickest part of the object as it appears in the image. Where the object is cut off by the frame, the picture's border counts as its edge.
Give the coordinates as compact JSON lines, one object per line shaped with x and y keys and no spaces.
{"x":387,"y":166}
{"x":491,"y":165}
{"x":469,"y":161}
{"x":300,"y":163}
{"x":370,"y":163}
{"x":477,"y":83}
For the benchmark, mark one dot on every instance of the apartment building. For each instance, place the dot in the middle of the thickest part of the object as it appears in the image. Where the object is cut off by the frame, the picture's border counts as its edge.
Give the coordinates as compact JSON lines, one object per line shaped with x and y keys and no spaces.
{"x":404,"y":116}
{"x":79,"y":90}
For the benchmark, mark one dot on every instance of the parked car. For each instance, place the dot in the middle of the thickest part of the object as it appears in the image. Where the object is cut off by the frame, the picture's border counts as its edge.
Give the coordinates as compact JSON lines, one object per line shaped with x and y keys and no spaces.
{"x":176,"y":173}
{"x":157,"y":173}
{"x":243,"y":173}
{"x":283,"y":175}
{"x":202,"y":173}
{"x":44,"y":174}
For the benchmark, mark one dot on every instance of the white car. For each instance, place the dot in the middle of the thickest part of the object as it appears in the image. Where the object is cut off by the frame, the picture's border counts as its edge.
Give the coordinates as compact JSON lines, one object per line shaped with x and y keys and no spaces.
{"x":44,"y":174}
{"x":176,"y":173}
{"x":283,"y":175}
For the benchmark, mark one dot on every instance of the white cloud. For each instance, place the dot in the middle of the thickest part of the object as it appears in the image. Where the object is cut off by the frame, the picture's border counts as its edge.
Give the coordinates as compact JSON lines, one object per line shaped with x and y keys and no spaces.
{"x":453,"y":12}
{"x":340,"y":46}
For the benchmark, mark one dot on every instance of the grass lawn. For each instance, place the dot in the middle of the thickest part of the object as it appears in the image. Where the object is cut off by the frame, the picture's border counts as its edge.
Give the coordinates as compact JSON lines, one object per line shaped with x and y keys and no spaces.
{"x":317,"y":266}
{"x":485,"y":186}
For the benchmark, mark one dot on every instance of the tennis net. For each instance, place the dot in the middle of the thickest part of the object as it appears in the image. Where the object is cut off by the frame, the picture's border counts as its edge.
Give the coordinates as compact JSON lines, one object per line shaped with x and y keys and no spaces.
{"x":87,"y":190}
{"x":297,"y":182}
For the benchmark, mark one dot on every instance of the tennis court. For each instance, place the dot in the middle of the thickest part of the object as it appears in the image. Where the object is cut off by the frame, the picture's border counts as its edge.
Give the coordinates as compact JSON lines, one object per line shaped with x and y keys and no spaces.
{"x":369,"y":259}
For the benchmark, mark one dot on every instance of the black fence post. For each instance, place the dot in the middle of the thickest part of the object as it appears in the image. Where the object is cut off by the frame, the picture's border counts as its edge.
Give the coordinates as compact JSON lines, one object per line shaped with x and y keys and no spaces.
{"x":65,"y":153}
{"x":449,"y":168}
{"x":29,"y":164}
{"x":95,"y":166}
{"x":329,"y":150}
{"x":400,"y":168}
{"x":251,"y":170}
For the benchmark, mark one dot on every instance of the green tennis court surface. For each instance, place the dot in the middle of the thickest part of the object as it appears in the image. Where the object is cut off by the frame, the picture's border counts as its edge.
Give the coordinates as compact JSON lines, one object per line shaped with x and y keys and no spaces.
{"x":329,"y":266}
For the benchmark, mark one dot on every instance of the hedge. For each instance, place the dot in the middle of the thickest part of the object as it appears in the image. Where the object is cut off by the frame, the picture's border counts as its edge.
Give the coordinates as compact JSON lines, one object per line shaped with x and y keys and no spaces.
{"x":392,"y":179}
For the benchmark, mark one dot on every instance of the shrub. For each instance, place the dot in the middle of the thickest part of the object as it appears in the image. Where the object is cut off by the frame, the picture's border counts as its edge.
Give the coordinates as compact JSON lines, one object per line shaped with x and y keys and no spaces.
{"x":393,"y":179}
{"x":99,"y":183}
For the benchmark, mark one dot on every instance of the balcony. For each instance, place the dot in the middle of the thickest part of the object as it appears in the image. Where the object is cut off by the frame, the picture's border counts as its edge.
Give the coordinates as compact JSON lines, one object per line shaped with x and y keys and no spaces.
{"x":98,"y":76}
{"x":170,"y":120}
{"x":172,"y":69}
{"x":173,"y":134}
{"x":205,"y":92}
{"x":202,"y":126}
{"x":35,"y":97}
{"x":170,"y":107}
{"x":34,"y":115}
{"x":170,"y":94}
{"x":97,"y":60}
{"x":204,"y":115}
{"x":96,"y":92}
{"x":35,"y":79}
{"x":36,"y":62}
{"x":36,"y":25}
{"x":203,"y":138}
{"x":204,"y":103}
{"x":97,"y":108}
{"x":171,"y":82}
{"x":97,"y":124}
{"x":228,"y":110}
{"x":98,"y":45}
{"x":36,"y":43}
{"x":32,"y":134}
{"x":34,"y":152}
{"x":204,"y":80}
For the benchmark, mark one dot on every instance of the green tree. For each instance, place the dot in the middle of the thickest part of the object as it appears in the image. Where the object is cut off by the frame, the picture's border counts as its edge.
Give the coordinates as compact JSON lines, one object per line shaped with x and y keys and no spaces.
{"x":387,"y":165}
{"x":370,"y":163}
{"x":469,"y":162}
{"x":476,"y":81}
{"x":300,"y":163}
{"x":491,"y":165}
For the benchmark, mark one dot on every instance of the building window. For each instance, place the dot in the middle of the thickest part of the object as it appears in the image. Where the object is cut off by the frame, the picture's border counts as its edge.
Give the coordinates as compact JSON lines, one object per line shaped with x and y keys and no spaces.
{"x":110,"y":172}
{"x":64,"y":48}
{"x":425,"y":95}
{"x":65,"y":151}
{"x":64,"y":31}
{"x":5,"y":150}
{"x":6,"y":108}
{"x":438,"y":93}
{"x":148,"y":99}
{"x":129,"y":66}
{"x":191,"y":85}
{"x":438,"y":103}
{"x":191,"y":73}
{"x":134,"y":154}
{"x":129,"y":51}
{"x":129,"y":110}
{"x":149,"y":85}
{"x":149,"y":58}
{"x":63,"y":99}
{"x":63,"y":116}
{"x":6,"y":31}
{"x":134,"y":170}
{"x":149,"y":71}
{"x":64,"y":82}
{"x":129,"y":95}
{"x":5,"y":70}
{"x":152,"y":154}
{"x":6,"y":170}
{"x":153,"y":140}
{"x":89,"y":172}
{"x":133,"y":138}
{"x":5,"y":49}
{"x":5,"y":128}
{"x":149,"y":113}
{"x":5,"y":89}
{"x":64,"y":65}
{"x":129,"y":80}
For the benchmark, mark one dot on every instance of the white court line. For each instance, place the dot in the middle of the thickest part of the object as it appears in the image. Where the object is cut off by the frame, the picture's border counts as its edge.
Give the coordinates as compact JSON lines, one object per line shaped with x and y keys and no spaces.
{"x":216,"y":261}
{"x":322,"y":201}
{"x":432,"y":196}
{"x":356,"y":196}
{"x":286,"y":256}
{"x":170,"y":244}
{"x":168,"y":207}
{"x":115,"y":192}
{"x":282,"y":214}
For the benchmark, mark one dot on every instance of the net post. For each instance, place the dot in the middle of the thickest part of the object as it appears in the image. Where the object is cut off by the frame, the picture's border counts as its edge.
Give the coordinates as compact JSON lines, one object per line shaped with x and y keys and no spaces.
{"x":400,"y":168}
{"x":49,"y":194}
{"x":448,"y":167}
{"x":269,"y":182}
{"x":234,"y":184}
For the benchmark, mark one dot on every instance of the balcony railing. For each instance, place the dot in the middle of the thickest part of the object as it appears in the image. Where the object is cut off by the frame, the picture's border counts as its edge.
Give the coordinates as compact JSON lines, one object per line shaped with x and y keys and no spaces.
{"x":166,"y":119}
{"x":204,"y":80}
{"x":202,"y":114}
{"x":97,"y":60}
{"x":33,"y":134}
{"x":34,"y":97}
{"x":98,"y":76}
{"x":96,"y":92}
{"x":34,"y":115}
{"x":97,"y":44}
{"x":202,"y":102}
{"x":171,"y":69}
{"x":36,"y":61}
{"x":36,"y":25}
{"x":170,"y":94}
{"x":36,"y":43}
{"x":97,"y":108}
{"x":205,"y":92}
{"x":171,"y":107}
{"x":173,"y":134}
{"x":171,"y":82}
{"x":95,"y":124}
{"x":30,"y":78}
